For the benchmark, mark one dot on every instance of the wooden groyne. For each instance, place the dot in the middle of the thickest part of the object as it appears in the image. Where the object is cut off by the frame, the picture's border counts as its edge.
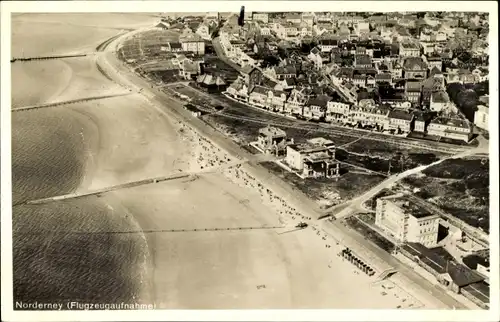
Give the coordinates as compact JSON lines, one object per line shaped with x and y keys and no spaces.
{"x":108,"y":189}
{"x":25,"y":59}
{"x":175,"y":176}
{"x":85,"y":99}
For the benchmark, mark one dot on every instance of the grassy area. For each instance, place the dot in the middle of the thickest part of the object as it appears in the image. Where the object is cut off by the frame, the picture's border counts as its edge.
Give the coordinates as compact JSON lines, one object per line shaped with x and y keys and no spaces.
{"x":387,"y":150}
{"x":246,"y":132}
{"x":242,"y":132}
{"x":373,"y":155}
{"x":329,"y":191}
{"x":196,"y":96}
{"x":147,"y":44}
{"x":459,"y":187}
{"x":370,"y":234}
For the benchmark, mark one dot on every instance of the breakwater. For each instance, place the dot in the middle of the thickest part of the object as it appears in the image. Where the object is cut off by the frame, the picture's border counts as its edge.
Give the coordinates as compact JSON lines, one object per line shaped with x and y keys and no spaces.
{"x":79,"y":100}
{"x":108,"y":189}
{"x":27,"y":59}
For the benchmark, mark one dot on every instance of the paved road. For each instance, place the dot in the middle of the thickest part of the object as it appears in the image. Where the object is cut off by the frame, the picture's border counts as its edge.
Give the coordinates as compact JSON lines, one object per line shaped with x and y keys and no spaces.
{"x":356,"y":203}
{"x":305,"y":205}
{"x":220,"y":54}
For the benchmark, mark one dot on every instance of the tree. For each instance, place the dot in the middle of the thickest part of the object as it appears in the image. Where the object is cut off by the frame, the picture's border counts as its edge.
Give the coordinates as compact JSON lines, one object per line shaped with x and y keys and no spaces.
{"x":420,"y":15}
{"x":270,"y":61}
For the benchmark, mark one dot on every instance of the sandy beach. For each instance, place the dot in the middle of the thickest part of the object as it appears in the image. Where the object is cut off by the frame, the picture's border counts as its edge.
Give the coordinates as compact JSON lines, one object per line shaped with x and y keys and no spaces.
{"x":124,"y":139}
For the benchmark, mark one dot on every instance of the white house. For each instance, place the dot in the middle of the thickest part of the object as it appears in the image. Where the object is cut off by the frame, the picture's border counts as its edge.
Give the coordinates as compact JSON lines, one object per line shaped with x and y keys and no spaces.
{"x":336,"y":111}
{"x":261,"y":16}
{"x":481,"y":117}
{"x":204,"y":31}
{"x":440,"y":101}
{"x":453,"y":128}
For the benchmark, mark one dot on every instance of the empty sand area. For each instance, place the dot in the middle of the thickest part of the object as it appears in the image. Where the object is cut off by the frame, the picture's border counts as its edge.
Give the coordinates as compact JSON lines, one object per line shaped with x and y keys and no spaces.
{"x":39,"y":82}
{"x":130,"y":141}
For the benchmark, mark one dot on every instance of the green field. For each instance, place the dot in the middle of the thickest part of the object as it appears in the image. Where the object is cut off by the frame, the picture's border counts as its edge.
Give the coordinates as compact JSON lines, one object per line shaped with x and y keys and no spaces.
{"x":459,"y":187}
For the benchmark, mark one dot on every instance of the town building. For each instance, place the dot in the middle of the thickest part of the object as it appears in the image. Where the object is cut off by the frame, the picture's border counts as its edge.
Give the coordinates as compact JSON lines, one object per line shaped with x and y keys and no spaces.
{"x":252,"y":76}
{"x":327,"y":44}
{"x":415,"y":68}
{"x":367,"y":113}
{"x":413,"y":89}
{"x":481,"y":117}
{"x":456,"y":277}
{"x":362,"y":61}
{"x":383,"y":78}
{"x":406,"y":221}
{"x":296,"y":101}
{"x":316,"y":107}
{"x":204,"y":31}
{"x":268,"y":98}
{"x":336,"y":111}
{"x":211,"y":83}
{"x":400,"y":120}
{"x":238,"y":89}
{"x":261,"y":16}
{"x":293,"y":17}
{"x":440,"y":102}
{"x":272,"y":140}
{"x":450,"y":127}
{"x":432,"y":84}
{"x":408,"y":49}
{"x":193,"y":43}
{"x":284,"y":72}
{"x":315,"y":158}
{"x":359,"y":80}
{"x":435,"y":61}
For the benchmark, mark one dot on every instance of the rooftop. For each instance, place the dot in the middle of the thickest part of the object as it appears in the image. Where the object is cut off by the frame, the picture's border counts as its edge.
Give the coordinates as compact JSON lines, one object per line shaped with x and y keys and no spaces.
{"x":409,"y":45}
{"x":265,"y":90}
{"x":285,"y":70}
{"x":413,"y":86}
{"x":442,"y":264}
{"x":409,"y":206}
{"x":313,"y":145}
{"x":440,"y":97}
{"x":400,"y":114}
{"x":192,"y":37}
{"x":318,"y":157}
{"x":320,"y":100}
{"x":457,"y":122}
{"x":272,"y":131}
{"x":320,"y":141}
{"x":414,"y":63}
{"x":363,"y":60}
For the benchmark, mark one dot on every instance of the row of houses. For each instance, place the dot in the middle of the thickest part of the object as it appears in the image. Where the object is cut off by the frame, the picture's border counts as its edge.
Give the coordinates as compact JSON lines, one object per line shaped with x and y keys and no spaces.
{"x":301,"y":102}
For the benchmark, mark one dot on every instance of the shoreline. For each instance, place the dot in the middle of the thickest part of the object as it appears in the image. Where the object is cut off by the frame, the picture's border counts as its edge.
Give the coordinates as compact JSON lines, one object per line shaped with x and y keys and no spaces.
{"x":245,"y":180}
{"x":250,"y":170}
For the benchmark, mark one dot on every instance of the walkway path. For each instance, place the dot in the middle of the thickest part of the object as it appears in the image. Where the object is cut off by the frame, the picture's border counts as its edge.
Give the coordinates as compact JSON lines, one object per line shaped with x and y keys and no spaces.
{"x":356,"y":202}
